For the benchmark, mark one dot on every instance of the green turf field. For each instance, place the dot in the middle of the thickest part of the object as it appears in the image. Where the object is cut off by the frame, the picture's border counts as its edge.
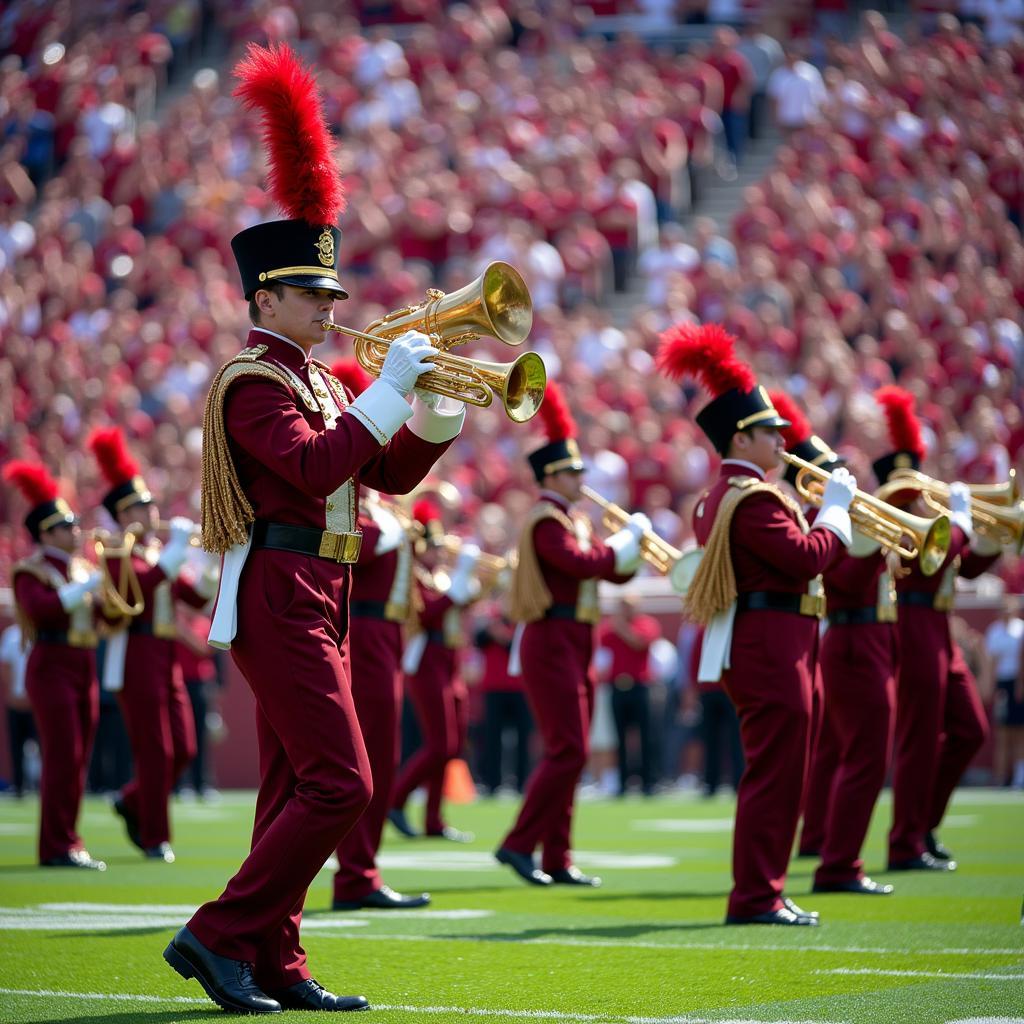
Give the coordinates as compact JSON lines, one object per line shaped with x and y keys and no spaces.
{"x":647,"y":947}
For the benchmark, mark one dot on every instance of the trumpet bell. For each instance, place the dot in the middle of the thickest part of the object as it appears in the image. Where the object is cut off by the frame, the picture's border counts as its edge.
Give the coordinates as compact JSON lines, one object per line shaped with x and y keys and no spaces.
{"x":935,"y":545}
{"x":519,"y":384}
{"x":685,"y":568}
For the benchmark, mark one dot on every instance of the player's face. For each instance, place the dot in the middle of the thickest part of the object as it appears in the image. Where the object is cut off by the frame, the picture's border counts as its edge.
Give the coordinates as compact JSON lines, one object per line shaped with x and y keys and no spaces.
{"x":298,"y":313}
{"x":567,"y":483}
{"x":762,"y":446}
{"x":65,"y":537}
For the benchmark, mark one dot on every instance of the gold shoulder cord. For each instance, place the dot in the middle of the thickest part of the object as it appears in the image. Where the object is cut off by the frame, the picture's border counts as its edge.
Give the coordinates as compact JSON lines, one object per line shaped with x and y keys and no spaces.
{"x":714,"y":584}
{"x":529,"y":597}
{"x":34,"y":565}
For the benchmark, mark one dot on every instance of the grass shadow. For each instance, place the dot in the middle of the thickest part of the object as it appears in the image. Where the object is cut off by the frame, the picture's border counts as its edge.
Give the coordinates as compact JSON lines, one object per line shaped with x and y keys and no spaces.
{"x":623,"y":931}
{"x":150,"y":1016}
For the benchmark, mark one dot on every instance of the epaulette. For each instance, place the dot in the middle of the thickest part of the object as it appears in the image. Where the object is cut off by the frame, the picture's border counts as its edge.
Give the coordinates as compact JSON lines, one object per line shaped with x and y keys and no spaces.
{"x":37,"y":566}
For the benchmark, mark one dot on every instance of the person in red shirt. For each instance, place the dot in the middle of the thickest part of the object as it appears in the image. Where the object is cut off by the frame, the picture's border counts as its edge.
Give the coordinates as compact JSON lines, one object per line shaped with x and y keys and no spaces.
{"x":285,"y":450}
{"x":54,"y":604}
{"x":627,"y":636}
{"x":737,"y":89}
{"x":757,"y":592}
{"x":554,"y":599}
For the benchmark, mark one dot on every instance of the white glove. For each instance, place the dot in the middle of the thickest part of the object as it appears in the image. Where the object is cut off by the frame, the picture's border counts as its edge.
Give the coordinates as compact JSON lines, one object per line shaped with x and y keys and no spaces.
{"x":960,"y":507}
{"x":835,"y":504}
{"x":638,"y":524}
{"x":431,"y":399}
{"x":408,"y":356}
{"x":626,"y":546}
{"x":464,"y":586}
{"x":175,"y":551}
{"x":73,"y":595}
{"x":840,"y":489}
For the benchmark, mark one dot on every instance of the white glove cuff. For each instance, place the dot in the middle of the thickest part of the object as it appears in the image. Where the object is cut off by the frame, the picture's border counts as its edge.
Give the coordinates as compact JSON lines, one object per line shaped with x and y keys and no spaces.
{"x":836,"y":519}
{"x":73,"y":595}
{"x":437,"y":425}
{"x":172,"y":558}
{"x":464,"y":589}
{"x":391,"y":534}
{"x":627,"y":551}
{"x":381,"y":409}
{"x":964,"y":521}
{"x":985,"y":546}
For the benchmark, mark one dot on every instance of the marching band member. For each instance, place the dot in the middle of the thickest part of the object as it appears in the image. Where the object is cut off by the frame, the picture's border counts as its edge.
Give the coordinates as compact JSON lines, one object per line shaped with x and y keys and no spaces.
{"x":940,"y":721}
{"x":54,"y":605}
{"x":755,"y":592}
{"x":379,"y":607}
{"x":858,"y":660}
{"x":285,"y":450}
{"x":141,"y":661}
{"x":554,"y":599}
{"x":430,"y":665}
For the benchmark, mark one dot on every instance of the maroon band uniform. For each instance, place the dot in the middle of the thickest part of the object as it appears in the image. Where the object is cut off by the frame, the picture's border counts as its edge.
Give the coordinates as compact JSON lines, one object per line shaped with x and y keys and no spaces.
{"x":556,"y":653}
{"x":771,"y":680}
{"x":297,"y":470}
{"x":60,"y":679}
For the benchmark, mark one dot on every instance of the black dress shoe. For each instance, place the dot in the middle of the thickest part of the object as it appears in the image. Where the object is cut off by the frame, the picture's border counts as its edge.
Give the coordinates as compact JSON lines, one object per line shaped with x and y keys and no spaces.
{"x":781,"y":916}
{"x":861,"y":886}
{"x":384,"y":898}
{"x":453,"y":835}
{"x":74,"y":859}
{"x":311,"y":995}
{"x":229,"y":983}
{"x":397,"y":818}
{"x":934,"y":846}
{"x":522,"y":864}
{"x":926,"y":862}
{"x":799,"y":911}
{"x":162,"y":851}
{"x":131,"y":822}
{"x":573,"y":876}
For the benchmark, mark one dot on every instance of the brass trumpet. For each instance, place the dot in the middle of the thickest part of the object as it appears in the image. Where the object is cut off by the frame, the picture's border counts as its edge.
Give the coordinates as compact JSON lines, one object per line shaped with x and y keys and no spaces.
{"x":880,"y":521}
{"x":195,"y":541}
{"x":654,"y":550}
{"x":497,"y":304}
{"x":997,"y":511}
{"x":487,"y":564}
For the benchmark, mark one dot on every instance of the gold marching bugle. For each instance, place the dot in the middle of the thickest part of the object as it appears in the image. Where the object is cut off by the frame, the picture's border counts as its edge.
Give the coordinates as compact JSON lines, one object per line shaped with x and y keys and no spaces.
{"x":196,"y":540}
{"x":654,"y":550}
{"x":487,"y":564}
{"x":997,"y":511}
{"x":881,"y":521}
{"x":121,"y":596}
{"x":497,"y":304}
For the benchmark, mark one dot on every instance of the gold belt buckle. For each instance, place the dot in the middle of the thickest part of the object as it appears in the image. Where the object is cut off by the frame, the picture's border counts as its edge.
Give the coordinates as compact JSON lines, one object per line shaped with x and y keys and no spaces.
{"x":943,"y":603}
{"x":886,"y":613}
{"x":812,"y":605}
{"x":82,"y":638}
{"x":395,"y":612}
{"x":340,"y":547}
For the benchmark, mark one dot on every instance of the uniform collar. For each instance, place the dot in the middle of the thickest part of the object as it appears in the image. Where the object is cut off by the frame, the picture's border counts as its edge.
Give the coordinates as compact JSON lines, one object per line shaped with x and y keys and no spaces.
{"x":283,"y":349}
{"x":55,"y":554}
{"x":734,"y":467}
{"x":555,"y":499}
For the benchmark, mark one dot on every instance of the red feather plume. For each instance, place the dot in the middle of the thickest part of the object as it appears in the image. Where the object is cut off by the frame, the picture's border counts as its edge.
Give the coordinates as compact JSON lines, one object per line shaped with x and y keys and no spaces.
{"x":33,"y":480}
{"x":425,"y":511}
{"x":800,"y":428}
{"x":352,"y":375}
{"x":705,"y":352}
{"x":556,"y":415}
{"x":904,"y":426}
{"x":116,"y":464}
{"x":303,"y":177}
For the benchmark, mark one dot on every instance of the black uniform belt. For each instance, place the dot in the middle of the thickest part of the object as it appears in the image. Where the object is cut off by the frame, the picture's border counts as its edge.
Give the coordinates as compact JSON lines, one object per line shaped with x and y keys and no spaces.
{"x":436,"y":636}
{"x":167,"y":632}
{"x":860,"y":616}
{"x":66,"y":639}
{"x":923,"y":599}
{"x":304,"y":540}
{"x":571,"y":613}
{"x":776,"y":601}
{"x":389,"y":611}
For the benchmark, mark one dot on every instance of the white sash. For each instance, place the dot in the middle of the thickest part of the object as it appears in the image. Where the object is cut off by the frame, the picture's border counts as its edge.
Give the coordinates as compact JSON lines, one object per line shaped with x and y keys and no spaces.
{"x":113,"y":661}
{"x":225,"y":612}
{"x":716,"y":652}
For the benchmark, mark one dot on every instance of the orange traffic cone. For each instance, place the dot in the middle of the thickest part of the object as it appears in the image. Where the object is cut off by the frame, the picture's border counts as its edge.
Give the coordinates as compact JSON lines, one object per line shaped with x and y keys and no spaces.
{"x":458,"y":782}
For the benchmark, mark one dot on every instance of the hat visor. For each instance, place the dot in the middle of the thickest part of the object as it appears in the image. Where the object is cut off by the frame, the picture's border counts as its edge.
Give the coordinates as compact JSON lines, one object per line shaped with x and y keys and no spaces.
{"x":328,"y":284}
{"x":772,"y":422}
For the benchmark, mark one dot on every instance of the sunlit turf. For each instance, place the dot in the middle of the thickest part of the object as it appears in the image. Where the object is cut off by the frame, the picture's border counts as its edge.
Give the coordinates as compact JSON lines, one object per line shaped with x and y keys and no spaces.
{"x":648,"y":945}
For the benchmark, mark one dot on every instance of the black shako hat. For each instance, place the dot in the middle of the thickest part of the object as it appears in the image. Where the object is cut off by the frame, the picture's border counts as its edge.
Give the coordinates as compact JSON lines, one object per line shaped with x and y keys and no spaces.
{"x":291,"y":252}
{"x":40,"y":491}
{"x":735,"y":410}
{"x":562,"y":450}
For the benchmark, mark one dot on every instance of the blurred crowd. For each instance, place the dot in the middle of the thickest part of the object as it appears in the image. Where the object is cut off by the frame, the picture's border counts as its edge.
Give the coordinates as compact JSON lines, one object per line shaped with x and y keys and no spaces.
{"x":883,"y":245}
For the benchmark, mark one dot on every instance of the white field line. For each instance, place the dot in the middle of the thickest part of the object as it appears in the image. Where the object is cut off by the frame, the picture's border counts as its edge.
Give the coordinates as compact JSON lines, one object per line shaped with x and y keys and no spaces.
{"x":980,"y":975}
{"x":473,"y":1011}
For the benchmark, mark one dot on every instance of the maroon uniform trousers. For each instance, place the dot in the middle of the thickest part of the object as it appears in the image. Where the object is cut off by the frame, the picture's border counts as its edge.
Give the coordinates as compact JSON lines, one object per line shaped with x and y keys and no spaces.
{"x":375,"y":647}
{"x":940,"y":721}
{"x":292,"y":647}
{"x":771,"y":682}
{"x":858,"y":661}
{"x":157,"y":713}
{"x":442,"y":712}
{"x":61,"y":684}
{"x":555,"y":654}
